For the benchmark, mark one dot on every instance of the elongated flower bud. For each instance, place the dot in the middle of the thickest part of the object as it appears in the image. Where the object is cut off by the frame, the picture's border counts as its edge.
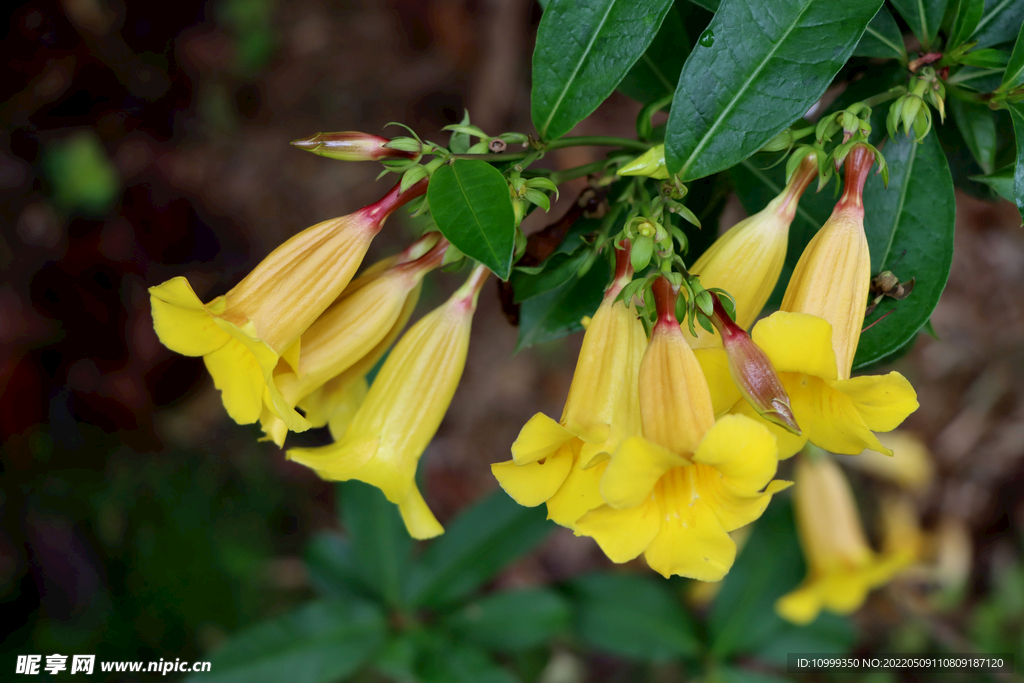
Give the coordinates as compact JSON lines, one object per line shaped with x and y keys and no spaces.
{"x":651,"y":164}
{"x":747,"y":260}
{"x":753,"y":373}
{"x":350,"y":146}
{"x":403,"y":410}
{"x":832,"y":278}
{"x":242,"y":334}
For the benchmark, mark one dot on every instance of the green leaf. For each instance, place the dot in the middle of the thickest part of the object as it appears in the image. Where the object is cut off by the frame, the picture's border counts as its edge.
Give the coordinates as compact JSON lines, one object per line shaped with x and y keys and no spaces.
{"x":757,"y":186}
{"x":909,"y":227}
{"x":81,"y":174}
{"x":318,"y":643}
{"x":1001,"y":181}
{"x":709,"y":5}
{"x":379,"y":539}
{"x":470,"y":202}
{"x":1000,"y":22}
{"x":977,"y":125}
{"x":967,"y":14}
{"x":762,"y":72}
{"x":1017,"y":114}
{"x":657,"y":71}
{"x":1013,"y":77}
{"x":332,"y":568}
{"x":512,"y":620}
{"x":924,"y":18}
{"x":559,"y":312}
{"x":632,"y":615}
{"x":987,"y":58}
{"x":558,"y":270}
{"x":481,"y":542}
{"x":460,"y":141}
{"x":449,"y":662}
{"x":736,"y":675}
{"x":584,"y":49}
{"x":882,"y":38}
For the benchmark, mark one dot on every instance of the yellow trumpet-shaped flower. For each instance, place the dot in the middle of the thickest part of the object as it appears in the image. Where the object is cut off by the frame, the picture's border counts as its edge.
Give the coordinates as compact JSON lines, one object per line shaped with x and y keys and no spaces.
{"x":676,"y":492}
{"x":242,"y":334}
{"x":351,"y":329}
{"x":747,"y":260}
{"x":910,"y":467}
{"x":559,"y":462}
{"x":403,"y":410}
{"x":842,"y":568}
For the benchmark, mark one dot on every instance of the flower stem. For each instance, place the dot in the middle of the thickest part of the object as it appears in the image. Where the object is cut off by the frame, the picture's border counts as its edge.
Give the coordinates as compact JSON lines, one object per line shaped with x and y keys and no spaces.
{"x":598,"y":141}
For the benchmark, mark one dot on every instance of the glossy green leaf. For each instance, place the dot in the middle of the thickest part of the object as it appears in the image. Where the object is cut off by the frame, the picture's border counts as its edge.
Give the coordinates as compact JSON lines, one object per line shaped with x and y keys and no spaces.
{"x":584,"y":49}
{"x":1013,"y":77}
{"x":632,"y":615}
{"x":380,"y":542}
{"x":882,"y":38}
{"x":1000,"y":23}
{"x":512,"y":620}
{"x":321,"y":642}
{"x":986,"y":58}
{"x":1001,"y":181}
{"x":977,"y":125}
{"x":909,"y":227}
{"x":1017,"y":115}
{"x":761,"y":73}
{"x":923,"y":17}
{"x":967,"y":14}
{"x":656,"y":72}
{"x":482,"y":541}
{"x":559,"y":312}
{"x":470,"y":202}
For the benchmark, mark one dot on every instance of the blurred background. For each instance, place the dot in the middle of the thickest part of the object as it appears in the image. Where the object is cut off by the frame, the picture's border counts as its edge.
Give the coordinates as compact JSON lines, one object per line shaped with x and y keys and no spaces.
{"x":147,"y":140}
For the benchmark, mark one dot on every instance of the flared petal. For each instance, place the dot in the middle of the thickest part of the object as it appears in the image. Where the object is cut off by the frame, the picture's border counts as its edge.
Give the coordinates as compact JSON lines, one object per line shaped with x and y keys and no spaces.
{"x":797,"y":342}
{"x":238,"y":374}
{"x":691,"y":543}
{"x":883,"y":401}
{"x":787,"y":443}
{"x":732,"y":507}
{"x":724,"y":392}
{"x":579,"y":494}
{"x":742,"y":451}
{"x":622,"y":534}
{"x":539,"y":438}
{"x":340,"y":461}
{"x":828,"y":417}
{"x":634,"y":470}
{"x":182,"y":322}
{"x":535,"y":482}
{"x":335,"y":403}
{"x":419,"y":520}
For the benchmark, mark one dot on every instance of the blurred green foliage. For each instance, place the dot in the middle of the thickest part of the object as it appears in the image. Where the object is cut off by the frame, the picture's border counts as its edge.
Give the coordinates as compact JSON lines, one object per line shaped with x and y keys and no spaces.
{"x":81,"y":174}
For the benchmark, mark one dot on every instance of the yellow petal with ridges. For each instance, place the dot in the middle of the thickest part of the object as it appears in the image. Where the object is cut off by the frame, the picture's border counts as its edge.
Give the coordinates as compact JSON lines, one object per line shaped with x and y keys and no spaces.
{"x":182,"y":322}
{"x":534,"y":483}
{"x":238,"y":375}
{"x":743,"y":451}
{"x":797,"y":342}
{"x":734,"y":508}
{"x":419,"y":520}
{"x":691,"y":543}
{"x":634,"y":470}
{"x":787,"y":443}
{"x":828,"y":417}
{"x":724,"y":392}
{"x":883,"y":401}
{"x":579,"y":494}
{"x":338,"y":461}
{"x":540,"y":437}
{"x":622,"y":534}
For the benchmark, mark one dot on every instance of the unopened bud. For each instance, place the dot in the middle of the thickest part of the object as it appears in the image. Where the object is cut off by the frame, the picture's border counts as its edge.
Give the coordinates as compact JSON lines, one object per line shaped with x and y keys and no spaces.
{"x":780,"y":142}
{"x":643,"y":249}
{"x":651,"y":164}
{"x":351,"y":146}
{"x":753,"y":372}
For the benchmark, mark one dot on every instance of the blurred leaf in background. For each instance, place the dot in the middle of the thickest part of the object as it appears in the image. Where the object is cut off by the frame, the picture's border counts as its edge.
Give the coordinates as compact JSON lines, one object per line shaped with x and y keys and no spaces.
{"x":81,"y":174}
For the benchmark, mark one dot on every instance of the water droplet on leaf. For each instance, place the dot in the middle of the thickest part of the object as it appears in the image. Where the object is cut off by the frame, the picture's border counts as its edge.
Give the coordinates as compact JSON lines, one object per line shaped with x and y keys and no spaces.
{"x":707,"y":39}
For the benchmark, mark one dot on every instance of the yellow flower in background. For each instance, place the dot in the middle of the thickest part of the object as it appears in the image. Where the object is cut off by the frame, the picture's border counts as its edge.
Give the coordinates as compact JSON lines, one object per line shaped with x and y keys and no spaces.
{"x":675,"y":492}
{"x":242,"y":334}
{"x":558,"y":462}
{"x":403,"y":410}
{"x":354,"y":326}
{"x":842,"y":568}
{"x":747,"y":260}
{"x":911,"y":468}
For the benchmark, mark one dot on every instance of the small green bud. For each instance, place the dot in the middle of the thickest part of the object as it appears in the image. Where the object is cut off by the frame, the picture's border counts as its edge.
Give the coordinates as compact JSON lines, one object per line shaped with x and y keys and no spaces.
{"x":651,"y":164}
{"x":643,"y":249}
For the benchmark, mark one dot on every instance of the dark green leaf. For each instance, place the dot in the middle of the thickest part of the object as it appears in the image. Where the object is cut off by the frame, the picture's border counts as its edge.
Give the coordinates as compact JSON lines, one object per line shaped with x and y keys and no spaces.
{"x":318,"y":643}
{"x":923,"y":17}
{"x":756,"y":186}
{"x":332,"y":567}
{"x":735,"y":675}
{"x":1000,"y":22}
{"x":635,"y":616}
{"x":1017,"y":114}
{"x":559,"y":312}
{"x":512,"y":620}
{"x":709,"y":5}
{"x":1001,"y":181}
{"x":987,"y":58}
{"x":397,"y":659}
{"x":470,"y":202}
{"x":882,"y":38}
{"x":378,"y":537}
{"x":657,"y":71}
{"x":967,"y":14}
{"x":482,"y":541}
{"x":584,"y":49}
{"x":450,"y":662}
{"x":830,"y":633}
{"x":979,"y":80}
{"x":909,"y":227}
{"x":1013,"y":77}
{"x":460,"y":141}
{"x":977,"y":125}
{"x":762,"y":72}
{"x":559,"y":269}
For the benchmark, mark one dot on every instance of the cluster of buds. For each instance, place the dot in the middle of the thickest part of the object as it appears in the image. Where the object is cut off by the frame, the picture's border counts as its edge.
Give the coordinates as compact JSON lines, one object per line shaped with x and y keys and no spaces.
{"x":912,"y":110}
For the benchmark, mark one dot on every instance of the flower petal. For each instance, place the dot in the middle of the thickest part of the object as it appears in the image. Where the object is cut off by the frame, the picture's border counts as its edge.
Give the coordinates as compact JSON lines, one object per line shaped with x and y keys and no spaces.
{"x":622,"y":534}
{"x":797,"y":342}
{"x":724,"y":392}
{"x":741,"y":450}
{"x":800,"y":606}
{"x":339,"y":461}
{"x":691,"y":543}
{"x":535,"y":482}
{"x":540,"y":437}
{"x":734,"y":508}
{"x":238,"y":375}
{"x":419,"y":520}
{"x":788,"y":443}
{"x":182,"y":322}
{"x":828,"y":417}
{"x":579,"y":494}
{"x":634,"y":470}
{"x":883,"y":401}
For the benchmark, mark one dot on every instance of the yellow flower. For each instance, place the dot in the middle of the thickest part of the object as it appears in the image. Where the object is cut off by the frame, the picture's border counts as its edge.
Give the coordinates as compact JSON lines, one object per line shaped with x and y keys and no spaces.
{"x":747,"y":260}
{"x":370,"y":308}
{"x":403,"y":410}
{"x":675,"y":492}
{"x":842,"y":568}
{"x":242,"y":334}
{"x":560,"y":462}
{"x":910,"y":467}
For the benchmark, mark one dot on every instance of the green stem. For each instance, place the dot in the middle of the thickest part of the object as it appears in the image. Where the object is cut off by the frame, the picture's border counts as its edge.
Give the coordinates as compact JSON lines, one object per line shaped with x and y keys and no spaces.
{"x":494,"y":156}
{"x":559,"y":177}
{"x":598,"y":141}
{"x":883,"y":97}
